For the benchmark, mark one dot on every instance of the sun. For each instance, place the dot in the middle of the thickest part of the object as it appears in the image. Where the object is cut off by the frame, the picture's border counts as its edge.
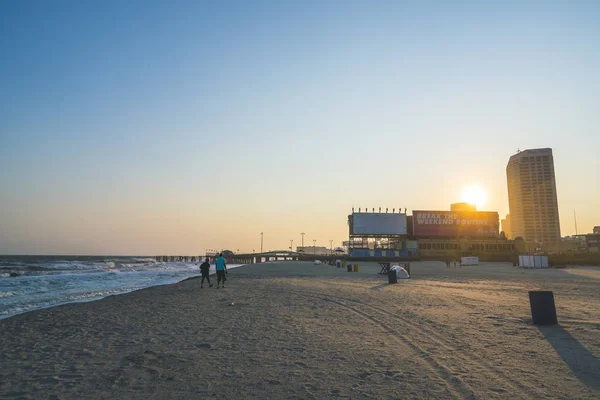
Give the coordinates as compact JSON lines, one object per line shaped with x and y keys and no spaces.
{"x":475,"y":195}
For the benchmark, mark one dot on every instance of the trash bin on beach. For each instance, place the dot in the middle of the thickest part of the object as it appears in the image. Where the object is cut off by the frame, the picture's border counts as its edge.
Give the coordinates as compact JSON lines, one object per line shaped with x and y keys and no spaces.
{"x":349,"y":267}
{"x":543,"y":310}
{"x":355,"y":267}
{"x":338,"y":263}
{"x":392,"y":277}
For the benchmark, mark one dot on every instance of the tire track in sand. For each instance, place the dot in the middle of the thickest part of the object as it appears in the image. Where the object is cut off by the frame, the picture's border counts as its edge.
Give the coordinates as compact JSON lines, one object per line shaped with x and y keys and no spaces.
{"x":491,"y":371}
{"x":455,"y":385}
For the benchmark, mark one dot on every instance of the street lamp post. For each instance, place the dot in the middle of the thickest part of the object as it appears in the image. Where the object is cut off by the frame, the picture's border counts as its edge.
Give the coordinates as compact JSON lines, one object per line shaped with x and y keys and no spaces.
{"x":303,"y":239}
{"x":291,"y":244}
{"x":314,"y":246}
{"x":331,"y":246}
{"x":261,"y":242}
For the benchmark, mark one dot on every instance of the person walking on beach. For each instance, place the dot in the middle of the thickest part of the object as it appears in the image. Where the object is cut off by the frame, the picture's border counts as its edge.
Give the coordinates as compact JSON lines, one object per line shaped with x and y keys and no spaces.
{"x":205,"y":270}
{"x":221,"y":270}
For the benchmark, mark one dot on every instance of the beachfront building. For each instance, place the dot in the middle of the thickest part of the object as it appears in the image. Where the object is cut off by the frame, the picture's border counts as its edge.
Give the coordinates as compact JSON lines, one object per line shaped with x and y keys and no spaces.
{"x":459,"y":233}
{"x":532,"y":197}
{"x":487,"y":249}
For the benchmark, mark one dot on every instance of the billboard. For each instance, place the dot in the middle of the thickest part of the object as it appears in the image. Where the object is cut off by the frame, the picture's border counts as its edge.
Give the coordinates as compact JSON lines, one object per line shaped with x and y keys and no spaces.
{"x":378,"y":224}
{"x":455,"y":223}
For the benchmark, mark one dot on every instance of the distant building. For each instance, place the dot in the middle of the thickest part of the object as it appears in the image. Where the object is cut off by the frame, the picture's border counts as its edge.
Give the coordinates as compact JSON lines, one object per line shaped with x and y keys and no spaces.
{"x":565,"y":245}
{"x":593,"y":243}
{"x":597,"y":230}
{"x":318,"y":250}
{"x":589,"y":242}
{"x":505,"y":223}
{"x":463,"y":207}
{"x":532,"y":197}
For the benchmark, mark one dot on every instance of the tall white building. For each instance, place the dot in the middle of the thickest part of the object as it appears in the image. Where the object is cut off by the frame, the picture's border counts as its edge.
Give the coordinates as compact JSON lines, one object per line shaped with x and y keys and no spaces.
{"x":532,"y":198}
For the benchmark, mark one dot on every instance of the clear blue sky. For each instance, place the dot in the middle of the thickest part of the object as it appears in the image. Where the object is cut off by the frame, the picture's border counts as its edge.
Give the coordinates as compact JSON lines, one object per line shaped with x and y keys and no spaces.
{"x":171,"y":127}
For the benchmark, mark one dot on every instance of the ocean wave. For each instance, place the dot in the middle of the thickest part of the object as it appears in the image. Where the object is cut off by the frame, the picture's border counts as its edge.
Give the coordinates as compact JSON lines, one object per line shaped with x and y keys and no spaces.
{"x":23,"y":268}
{"x":71,"y":267}
{"x":41,"y":289}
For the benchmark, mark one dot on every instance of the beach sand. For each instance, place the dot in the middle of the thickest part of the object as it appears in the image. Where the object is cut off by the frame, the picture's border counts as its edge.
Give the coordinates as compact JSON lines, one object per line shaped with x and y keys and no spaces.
{"x":299,"y":331}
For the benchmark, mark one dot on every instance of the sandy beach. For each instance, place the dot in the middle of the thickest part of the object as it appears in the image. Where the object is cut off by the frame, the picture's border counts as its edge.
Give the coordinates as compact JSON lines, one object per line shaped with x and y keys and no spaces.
{"x":300,"y":331}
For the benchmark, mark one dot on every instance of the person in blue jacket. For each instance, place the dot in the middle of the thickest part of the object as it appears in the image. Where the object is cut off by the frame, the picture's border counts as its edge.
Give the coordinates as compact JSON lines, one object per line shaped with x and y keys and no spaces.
{"x":221,"y":270}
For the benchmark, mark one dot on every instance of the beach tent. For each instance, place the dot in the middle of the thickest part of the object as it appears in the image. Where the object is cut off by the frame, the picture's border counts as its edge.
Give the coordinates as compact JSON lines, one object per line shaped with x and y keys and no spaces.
{"x":400,"y":272}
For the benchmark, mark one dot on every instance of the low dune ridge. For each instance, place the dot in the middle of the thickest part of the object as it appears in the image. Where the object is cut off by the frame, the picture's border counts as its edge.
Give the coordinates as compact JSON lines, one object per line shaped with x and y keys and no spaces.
{"x":293,"y":330}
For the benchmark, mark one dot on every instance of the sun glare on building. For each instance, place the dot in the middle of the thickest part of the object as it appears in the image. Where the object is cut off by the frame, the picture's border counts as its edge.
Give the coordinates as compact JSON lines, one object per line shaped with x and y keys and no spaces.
{"x":474,"y":195}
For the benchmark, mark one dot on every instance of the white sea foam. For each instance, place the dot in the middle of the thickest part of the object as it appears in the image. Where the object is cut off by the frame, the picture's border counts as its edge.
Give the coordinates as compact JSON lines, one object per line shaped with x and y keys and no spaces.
{"x":46,"y":283}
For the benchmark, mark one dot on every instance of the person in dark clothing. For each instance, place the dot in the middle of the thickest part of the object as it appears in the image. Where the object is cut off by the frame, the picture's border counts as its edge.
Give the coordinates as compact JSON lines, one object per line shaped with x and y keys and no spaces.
{"x":205,"y":270}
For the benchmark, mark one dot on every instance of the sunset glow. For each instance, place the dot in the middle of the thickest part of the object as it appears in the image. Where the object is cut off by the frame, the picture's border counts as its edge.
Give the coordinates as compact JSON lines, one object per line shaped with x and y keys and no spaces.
{"x":475,"y":195}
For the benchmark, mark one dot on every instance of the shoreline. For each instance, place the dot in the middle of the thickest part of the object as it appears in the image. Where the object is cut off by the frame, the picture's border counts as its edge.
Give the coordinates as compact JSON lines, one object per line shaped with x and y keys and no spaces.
{"x":100,"y":297}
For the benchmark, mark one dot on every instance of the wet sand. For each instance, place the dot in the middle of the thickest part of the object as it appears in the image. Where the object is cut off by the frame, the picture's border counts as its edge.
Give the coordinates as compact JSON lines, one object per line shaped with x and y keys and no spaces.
{"x":296,"y":331}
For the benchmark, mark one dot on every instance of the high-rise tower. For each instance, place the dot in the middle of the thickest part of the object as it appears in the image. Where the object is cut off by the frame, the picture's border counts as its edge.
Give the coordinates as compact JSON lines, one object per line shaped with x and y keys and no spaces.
{"x":532,"y":196}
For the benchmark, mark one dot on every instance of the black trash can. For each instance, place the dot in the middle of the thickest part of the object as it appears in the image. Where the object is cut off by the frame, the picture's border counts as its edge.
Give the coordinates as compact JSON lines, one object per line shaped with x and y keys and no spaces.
{"x":349,"y":267}
{"x":392,"y":277}
{"x":543,"y":310}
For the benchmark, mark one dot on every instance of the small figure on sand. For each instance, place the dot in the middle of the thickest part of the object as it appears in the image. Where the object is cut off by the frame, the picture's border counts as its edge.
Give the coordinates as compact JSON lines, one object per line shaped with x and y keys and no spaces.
{"x":221,"y":270}
{"x":205,"y":270}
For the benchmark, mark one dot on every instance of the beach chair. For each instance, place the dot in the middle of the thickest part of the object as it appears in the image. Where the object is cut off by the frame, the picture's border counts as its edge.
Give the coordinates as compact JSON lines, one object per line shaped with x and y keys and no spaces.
{"x":385,"y":268}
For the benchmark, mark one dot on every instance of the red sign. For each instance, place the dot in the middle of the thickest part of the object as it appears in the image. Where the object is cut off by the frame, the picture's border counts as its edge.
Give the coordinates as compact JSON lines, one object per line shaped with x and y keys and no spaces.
{"x":455,"y":223}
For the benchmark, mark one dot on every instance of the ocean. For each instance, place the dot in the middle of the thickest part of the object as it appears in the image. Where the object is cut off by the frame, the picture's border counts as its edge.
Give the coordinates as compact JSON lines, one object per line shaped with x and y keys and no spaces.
{"x":32,"y":282}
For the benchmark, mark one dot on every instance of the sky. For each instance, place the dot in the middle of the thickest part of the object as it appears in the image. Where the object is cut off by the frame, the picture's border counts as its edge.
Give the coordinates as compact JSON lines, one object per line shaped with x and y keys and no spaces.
{"x":161,"y":127}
